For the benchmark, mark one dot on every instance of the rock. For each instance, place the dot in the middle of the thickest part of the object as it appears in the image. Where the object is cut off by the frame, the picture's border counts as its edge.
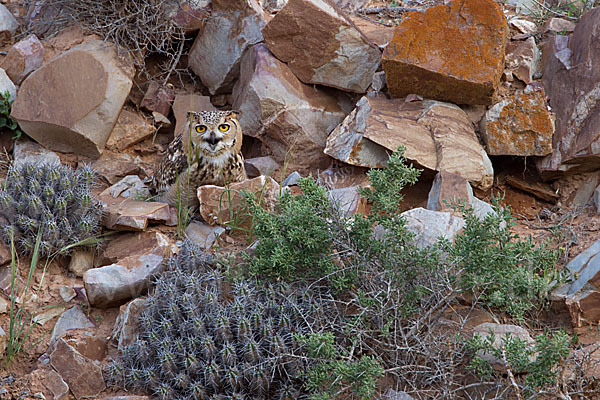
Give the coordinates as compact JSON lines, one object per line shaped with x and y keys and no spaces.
{"x":448,"y":189}
{"x":55,"y":384}
{"x":66,"y":293}
{"x":4,"y":307}
{"x":273,"y":6}
{"x":143,"y":242}
{"x":188,"y":102}
{"x":422,"y":57}
{"x":438,"y":136}
{"x":129,"y":187}
{"x":348,"y":200}
{"x":378,"y":34}
{"x":596,"y":198}
{"x":90,"y":85}
{"x":585,"y":192}
{"x":322,"y":46}
{"x":114,"y":166}
{"x":378,"y":82}
{"x":131,"y":128}
{"x":126,"y":327}
{"x":6,"y":85}
{"x":219,"y":207}
{"x":288,"y":117}
{"x":26,"y":151}
{"x":46,"y":316}
{"x":8,"y":24}
{"x":500,"y":332}
{"x":132,"y":215}
{"x":81,"y":261}
{"x":72,"y":319}
{"x":23,"y":58}
{"x":83,"y":376}
{"x":217,"y":51}
{"x":584,"y":307}
{"x":6,"y":279}
{"x":574,"y":95}
{"x":519,"y":125}
{"x":158,"y":98}
{"x":192,"y":15}
{"x":391,"y":394}
{"x":522,"y":59}
{"x":114,"y":284}
{"x":203,"y":234}
{"x":5,"y":255}
{"x":539,"y":190}
{"x":428,"y":226}
{"x":292,"y":179}
{"x":523,"y":7}
{"x":92,"y":347}
{"x":260,"y":166}
{"x":3,"y":342}
{"x":523,"y":25}
{"x":559,"y":26}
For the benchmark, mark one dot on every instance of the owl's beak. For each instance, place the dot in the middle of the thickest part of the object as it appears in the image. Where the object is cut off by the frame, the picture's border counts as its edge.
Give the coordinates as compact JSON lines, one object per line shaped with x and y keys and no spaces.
{"x":213,"y":139}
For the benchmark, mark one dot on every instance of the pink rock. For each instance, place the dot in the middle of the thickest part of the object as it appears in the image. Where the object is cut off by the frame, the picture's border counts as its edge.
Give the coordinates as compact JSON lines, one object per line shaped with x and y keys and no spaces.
{"x":133,"y":215}
{"x":23,"y":58}
{"x":158,"y":98}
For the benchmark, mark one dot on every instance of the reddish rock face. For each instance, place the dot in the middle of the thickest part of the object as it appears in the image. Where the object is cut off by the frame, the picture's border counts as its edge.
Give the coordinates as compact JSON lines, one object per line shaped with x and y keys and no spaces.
{"x":322,"y":46}
{"x":131,"y":128}
{"x":519,"y":125}
{"x":83,"y":376}
{"x":451,"y":52}
{"x":23,"y":58}
{"x":158,"y":98}
{"x":571,"y":79}
{"x":522,"y":59}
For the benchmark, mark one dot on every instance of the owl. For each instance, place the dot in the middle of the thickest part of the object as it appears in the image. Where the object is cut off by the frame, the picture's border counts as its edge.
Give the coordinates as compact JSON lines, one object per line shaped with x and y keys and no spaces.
{"x":213,"y":157}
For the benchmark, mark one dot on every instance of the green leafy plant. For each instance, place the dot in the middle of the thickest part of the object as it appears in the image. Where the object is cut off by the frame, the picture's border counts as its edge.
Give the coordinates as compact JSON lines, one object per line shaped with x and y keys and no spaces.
{"x":5,"y":119}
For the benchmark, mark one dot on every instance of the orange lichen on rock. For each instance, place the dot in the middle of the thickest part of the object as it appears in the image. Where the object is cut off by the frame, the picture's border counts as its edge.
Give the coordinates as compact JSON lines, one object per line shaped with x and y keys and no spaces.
{"x":452,"y":52}
{"x":519,"y":125}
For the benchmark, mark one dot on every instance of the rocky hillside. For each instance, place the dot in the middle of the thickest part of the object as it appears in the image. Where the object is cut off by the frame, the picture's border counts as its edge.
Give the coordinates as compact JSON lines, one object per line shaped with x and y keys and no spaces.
{"x":395,"y":271}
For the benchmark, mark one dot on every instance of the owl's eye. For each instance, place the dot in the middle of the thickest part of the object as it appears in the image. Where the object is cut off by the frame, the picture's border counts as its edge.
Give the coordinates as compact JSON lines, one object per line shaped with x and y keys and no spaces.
{"x":223,"y":127}
{"x":200,"y":128}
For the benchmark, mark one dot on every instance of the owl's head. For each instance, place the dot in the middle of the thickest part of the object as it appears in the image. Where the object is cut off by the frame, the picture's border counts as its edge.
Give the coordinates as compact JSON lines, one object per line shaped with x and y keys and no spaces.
{"x":214,"y":133}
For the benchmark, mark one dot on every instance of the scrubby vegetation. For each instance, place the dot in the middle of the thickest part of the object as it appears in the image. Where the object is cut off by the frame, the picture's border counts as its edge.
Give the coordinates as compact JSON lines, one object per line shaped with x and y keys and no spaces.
{"x":346,"y":301}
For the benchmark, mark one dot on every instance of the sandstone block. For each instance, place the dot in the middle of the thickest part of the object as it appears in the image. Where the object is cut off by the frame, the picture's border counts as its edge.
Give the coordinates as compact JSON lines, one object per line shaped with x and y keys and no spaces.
{"x":158,"y":98}
{"x":131,"y":128}
{"x":522,"y":59}
{"x":23,"y":58}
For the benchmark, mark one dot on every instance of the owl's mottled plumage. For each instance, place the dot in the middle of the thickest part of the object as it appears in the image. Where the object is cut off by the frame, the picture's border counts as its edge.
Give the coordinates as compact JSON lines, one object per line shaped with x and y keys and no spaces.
{"x":215,"y":157}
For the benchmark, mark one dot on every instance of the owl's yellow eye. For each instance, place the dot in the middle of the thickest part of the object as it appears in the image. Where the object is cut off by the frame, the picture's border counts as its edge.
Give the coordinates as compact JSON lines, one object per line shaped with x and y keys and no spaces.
{"x":200,"y":128}
{"x":223,"y":127}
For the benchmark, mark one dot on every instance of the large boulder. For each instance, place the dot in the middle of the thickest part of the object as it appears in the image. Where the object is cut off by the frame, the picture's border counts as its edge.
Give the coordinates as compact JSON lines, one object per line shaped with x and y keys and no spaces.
{"x":71,"y":103}
{"x":216,"y":53}
{"x":286,"y":115}
{"x":452,"y":52}
{"x":438,"y":136}
{"x":322,"y":46}
{"x":571,"y":76}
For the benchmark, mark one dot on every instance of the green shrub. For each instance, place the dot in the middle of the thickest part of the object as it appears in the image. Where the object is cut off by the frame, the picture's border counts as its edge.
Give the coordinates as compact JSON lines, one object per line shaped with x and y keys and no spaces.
{"x":5,"y":119}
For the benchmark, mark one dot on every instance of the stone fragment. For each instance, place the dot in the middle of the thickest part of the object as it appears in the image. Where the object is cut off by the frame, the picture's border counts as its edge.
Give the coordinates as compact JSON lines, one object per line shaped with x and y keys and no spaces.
{"x":131,"y":128}
{"x":519,"y":125}
{"x":448,"y":189}
{"x":438,"y":136}
{"x":114,"y":284}
{"x":23,"y":58}
{"x":192,"y":15}
{"x":46,"y":316}
{"x":121,"y":246}
{"x":572,"y":81}
{"x":584,"y":307}
{"x":292,"y":179}
{"x":391,"y":394}
{"x":322,"y":46}
{"x":501,"y":332}
{"x":71,"y":319}
{"x":4,"y":306}
{"x":126,"y":326}
{"x":596,"y":198}
{"x":287,"y":116}
{"x":158,"y":98}
{"x":55,"y":384}
{"x":8,"y":23}
{"x":216,"y":53}
{"x":219,"y":205}
{"x":90,"y":85}
{"x":452,"y":52}
{"x":81,"y":261}
{"x":429,"y":225}
{"x":129,"y":187}
{"x":133,"y":215}
{"x":378,"y":34}
{"x":523,"y":7}
{"x":89,"y":346}
{"x":83,"y":376}
{"x":522,"y":25}
{"x":114,"y":166}
{"x":522,"y":59}
{"x":585,"y":192}
{"x":539,"y":190}
{"x":348,"y":200}
{"x":203,"y":234}
{"x":559,"y":26}
{"x":27,"y":151}
{"x":66,"y":293}
{"x":6,"y":85}
{"x":5,"y":254}
{"x":260,"y":166}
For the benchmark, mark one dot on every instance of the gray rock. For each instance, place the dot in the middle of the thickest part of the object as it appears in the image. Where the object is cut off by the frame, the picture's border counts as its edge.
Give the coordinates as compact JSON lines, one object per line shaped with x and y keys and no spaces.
{"x":429,"y":225}
{"x":133,"y":215}
{"x":292,"y":179}
{"x":8,"y":23}
{"x":73,"y":318}
{"x":260,"y":166}
{"x":125,"y":330}
{"x":23,"y":58}
{"x":7,"y":85}
{"x":203,"y":234}
{"x":81,"y":261}
{"x":3,"y":342}
{"x":66,"y":293}
{"x":27,"y":151}
{"x":391,"y":394}
{"x":585,"y":192}
{"x":347,"y":199}
{"x":500,"y":332}
{"x":129,"y":187}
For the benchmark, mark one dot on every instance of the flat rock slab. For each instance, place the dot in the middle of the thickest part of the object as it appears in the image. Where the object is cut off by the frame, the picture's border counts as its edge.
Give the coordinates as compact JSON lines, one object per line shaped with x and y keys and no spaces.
{"x":220,"y":205}
{"x":519,"y":125}
{"x":83,"y":376}
{"x":260,"y":166}
{"x":90,"y":84}
{"x":114,"y":284}
{"x":72,"y":319}
{"x":126,"y":326}
{"x":438,"y":136}
{"x":123,"y":245}
{"x":129,"y":187}
{"x":132,"y":215}
{"x":114,"y":166}
{"x":322,"y":46}
{"x":429,"y":225}
{"x":28,"y":151}
{"x":452,"y":52}
{"x":290,"y":119}
{"x":131,"y":128}
{"x":203,"y":234}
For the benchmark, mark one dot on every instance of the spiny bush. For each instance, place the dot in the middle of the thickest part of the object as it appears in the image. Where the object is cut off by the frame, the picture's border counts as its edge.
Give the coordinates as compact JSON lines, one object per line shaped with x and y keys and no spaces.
{"x":201,"y":336}
{"x":51,"y":199}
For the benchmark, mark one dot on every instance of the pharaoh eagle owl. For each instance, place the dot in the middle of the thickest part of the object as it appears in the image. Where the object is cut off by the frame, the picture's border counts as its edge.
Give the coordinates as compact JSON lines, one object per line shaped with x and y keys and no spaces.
{"x":214,"y":157}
